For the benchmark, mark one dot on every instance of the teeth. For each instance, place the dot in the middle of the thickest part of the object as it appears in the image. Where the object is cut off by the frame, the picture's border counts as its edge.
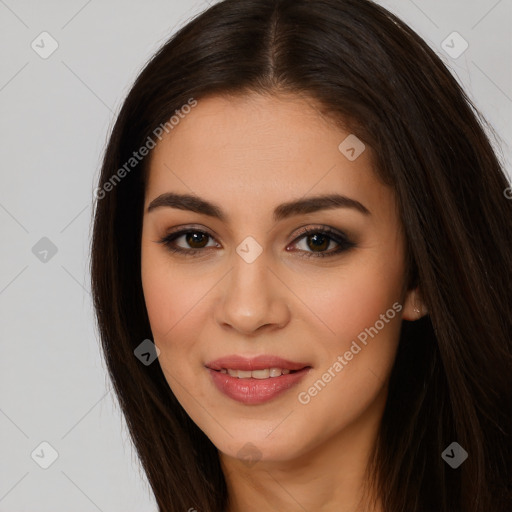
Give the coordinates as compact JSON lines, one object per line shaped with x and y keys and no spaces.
{"x":259,"y":374}
{"x":256,"y":374}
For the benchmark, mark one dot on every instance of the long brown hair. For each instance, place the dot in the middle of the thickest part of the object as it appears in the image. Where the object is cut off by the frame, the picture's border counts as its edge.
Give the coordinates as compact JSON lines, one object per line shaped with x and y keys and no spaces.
{"x":452,"y":376}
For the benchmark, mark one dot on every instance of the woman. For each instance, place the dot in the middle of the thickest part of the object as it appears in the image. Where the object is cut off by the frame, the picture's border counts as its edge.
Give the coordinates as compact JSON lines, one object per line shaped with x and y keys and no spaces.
{"x":299,"y":207}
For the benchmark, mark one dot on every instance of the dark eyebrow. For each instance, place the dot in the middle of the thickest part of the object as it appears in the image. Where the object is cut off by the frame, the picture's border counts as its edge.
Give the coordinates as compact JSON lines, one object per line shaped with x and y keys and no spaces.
{"x":301,"y":206}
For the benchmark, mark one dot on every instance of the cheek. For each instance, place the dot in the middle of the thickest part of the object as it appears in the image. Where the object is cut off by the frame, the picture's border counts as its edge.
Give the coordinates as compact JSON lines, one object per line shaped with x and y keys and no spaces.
{"x":361,"y":306}
{"x":356,"y":361}
{"x":160,"y":299}
{"x":351,"y":299}
{"x":168,"y":294}
{"x":167,"y":311}
{"x":177,"y":305}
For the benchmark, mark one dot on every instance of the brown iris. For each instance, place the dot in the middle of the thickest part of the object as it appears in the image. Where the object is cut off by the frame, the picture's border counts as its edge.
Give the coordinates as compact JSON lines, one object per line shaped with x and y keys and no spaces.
{"x":319,"y":241}
{"x":196,"y":238}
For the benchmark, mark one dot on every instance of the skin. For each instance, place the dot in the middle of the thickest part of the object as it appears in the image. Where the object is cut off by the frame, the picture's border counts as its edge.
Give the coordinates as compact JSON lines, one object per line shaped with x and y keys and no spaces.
{"x":249,"y":154}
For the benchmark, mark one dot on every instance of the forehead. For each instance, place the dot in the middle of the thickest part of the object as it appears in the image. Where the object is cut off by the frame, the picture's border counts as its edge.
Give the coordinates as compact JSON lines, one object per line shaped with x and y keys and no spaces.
{"x":256,"y":151}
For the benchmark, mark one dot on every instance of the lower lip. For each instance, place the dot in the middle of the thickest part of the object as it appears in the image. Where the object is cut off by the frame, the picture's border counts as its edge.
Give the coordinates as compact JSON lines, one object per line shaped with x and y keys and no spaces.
{"x":255,"y":391}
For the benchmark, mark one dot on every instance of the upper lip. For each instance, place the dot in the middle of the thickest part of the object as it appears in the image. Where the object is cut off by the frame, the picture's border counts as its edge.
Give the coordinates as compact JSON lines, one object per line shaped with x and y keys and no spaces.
{"x":235,"y":362}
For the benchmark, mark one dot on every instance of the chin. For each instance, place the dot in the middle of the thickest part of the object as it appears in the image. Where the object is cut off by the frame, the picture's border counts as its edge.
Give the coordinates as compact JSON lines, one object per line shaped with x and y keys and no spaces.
{"x":253,"y":446}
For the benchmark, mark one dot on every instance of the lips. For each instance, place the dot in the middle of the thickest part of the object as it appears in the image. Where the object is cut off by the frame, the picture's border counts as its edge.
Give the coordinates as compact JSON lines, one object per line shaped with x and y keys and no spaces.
{"x":244,"y":379}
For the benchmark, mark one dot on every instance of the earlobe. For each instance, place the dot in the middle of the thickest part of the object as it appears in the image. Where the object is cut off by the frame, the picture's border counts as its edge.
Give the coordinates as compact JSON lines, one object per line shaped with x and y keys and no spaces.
{"x":414,"y":308}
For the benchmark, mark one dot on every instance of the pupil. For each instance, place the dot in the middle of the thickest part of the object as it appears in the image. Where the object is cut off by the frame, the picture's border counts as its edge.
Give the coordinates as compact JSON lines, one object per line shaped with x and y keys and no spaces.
{"x":192,"y":238}
{"x":322,"y":244}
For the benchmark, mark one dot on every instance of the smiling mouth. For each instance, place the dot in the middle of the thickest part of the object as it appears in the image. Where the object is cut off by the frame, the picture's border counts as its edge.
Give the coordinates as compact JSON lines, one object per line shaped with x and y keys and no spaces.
{"x":255,"y":379}
{"x":253,"y":387}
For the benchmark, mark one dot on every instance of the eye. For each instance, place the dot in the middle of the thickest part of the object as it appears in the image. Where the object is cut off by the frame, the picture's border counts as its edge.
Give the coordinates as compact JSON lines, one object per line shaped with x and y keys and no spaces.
{"x":196,"y":239}
{"x":316,"y":241}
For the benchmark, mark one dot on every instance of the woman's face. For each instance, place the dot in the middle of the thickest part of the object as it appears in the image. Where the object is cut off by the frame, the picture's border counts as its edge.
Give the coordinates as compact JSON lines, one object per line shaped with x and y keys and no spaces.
{"x":249,"y":282}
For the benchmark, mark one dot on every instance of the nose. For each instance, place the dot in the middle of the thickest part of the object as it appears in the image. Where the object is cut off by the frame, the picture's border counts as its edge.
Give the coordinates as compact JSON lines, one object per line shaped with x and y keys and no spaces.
{"x":252,"y":299}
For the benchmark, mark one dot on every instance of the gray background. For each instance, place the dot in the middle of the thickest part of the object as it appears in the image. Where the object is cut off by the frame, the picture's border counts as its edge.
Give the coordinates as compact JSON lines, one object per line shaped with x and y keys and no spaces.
{"x":56,"y":116}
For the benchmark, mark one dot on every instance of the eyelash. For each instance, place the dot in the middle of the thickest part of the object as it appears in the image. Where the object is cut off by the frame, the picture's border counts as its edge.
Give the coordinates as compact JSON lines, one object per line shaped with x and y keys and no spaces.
{"x":340,"y":238}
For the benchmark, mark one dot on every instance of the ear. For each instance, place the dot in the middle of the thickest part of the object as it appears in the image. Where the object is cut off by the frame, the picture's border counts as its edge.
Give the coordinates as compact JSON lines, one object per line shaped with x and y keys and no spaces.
{"x":414,"y":308}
